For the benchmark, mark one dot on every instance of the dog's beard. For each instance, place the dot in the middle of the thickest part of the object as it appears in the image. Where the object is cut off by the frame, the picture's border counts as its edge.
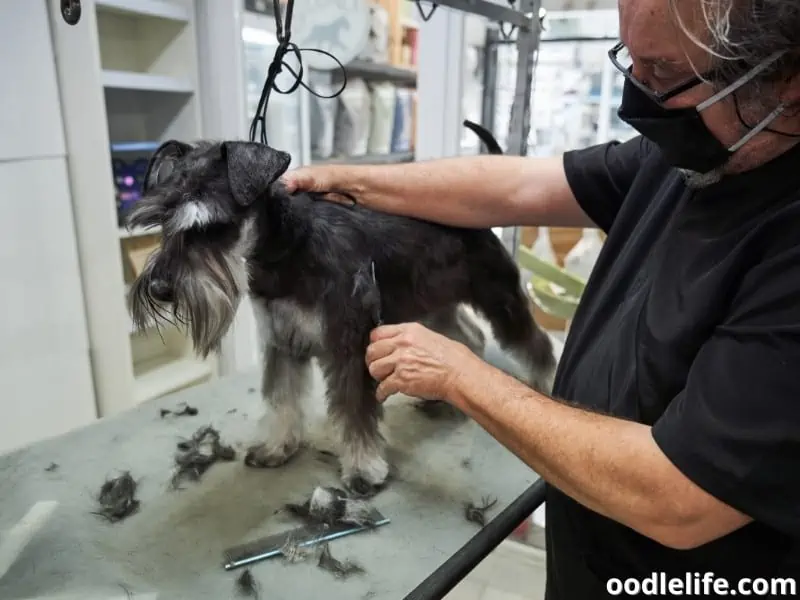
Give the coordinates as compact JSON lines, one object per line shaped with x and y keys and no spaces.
{"x":206,"y":299}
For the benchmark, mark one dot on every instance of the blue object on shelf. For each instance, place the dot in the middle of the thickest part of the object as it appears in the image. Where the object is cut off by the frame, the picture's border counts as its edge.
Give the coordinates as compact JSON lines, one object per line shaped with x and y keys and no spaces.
{"x":135,"y":146}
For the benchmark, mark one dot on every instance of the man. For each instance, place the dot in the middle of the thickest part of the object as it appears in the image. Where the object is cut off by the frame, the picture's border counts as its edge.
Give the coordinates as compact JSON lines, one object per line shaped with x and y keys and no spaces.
{"x":672,"y":441}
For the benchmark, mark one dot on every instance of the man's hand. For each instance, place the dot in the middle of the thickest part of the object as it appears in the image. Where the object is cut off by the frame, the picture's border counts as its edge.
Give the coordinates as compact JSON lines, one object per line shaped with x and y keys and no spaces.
{"x":306,"y":179}
{"x":413,"y":360}
{"x":321,"y":179}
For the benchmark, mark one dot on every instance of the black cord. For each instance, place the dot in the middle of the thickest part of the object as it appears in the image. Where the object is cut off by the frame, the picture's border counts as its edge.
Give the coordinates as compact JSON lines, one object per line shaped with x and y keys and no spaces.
{"x":507,"y":36}
{"x":422,"y":14}
{"x":285,"y":46}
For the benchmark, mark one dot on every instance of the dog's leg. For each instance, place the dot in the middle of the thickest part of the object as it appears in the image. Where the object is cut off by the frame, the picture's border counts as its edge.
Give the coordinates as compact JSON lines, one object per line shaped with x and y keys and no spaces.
{"x":355,"y":414}
{"x":455,"y":323}
{"x":286,"y":381}
{"x":505,"y":305}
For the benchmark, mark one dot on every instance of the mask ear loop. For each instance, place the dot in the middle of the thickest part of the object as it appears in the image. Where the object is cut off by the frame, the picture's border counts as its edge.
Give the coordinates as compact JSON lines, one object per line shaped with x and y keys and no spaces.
{"x":768,"y":119}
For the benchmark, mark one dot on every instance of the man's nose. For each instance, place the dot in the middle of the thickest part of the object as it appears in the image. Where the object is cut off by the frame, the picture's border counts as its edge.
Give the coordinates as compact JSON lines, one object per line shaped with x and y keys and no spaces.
{"x":161,"y":291}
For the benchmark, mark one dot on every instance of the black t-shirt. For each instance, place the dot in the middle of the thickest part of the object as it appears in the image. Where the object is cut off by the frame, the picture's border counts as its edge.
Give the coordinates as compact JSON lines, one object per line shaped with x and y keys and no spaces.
{"x":690,"y":323}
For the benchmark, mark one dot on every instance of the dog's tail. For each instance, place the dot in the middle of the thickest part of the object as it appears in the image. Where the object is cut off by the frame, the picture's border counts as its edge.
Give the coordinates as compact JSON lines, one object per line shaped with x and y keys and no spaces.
{"x":485,"y":136}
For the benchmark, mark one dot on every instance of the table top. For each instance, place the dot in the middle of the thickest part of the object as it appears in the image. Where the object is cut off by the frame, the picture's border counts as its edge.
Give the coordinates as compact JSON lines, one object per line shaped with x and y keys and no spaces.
{"x":174,"y":544}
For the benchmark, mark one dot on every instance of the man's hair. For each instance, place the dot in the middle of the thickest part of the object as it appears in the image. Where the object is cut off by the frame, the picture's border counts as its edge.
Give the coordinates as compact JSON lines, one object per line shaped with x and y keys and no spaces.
{"x":744,"y":33}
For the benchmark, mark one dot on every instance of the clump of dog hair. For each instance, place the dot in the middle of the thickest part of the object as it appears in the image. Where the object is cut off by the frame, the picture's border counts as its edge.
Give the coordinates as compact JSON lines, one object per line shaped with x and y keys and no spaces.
{"x":52,"y":467}
{"x":117,"y":498}
{"x":186,"y":411}
{"x":331,"y":506}
{"x":293,"y":552}
{"x":197,"y":454}
{"x":246,"y":585}
{"x":340,"y":569}
{"x":477,"y":513}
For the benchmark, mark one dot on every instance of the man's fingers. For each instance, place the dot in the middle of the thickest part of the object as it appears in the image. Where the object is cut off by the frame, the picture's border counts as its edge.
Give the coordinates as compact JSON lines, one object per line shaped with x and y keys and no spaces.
{"x":379,"y":349}
{"x":386,"y":388}
{"x":385,"y":332}
{"x":382,"y":368}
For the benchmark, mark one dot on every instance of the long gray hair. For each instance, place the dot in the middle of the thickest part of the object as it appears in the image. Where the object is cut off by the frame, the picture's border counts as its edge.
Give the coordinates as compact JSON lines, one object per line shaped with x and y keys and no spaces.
{"x":744,"y":33}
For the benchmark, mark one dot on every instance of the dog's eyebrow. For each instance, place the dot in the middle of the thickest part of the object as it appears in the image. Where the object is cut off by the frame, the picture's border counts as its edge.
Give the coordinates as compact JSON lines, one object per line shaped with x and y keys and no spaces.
{"x":192,"y":214}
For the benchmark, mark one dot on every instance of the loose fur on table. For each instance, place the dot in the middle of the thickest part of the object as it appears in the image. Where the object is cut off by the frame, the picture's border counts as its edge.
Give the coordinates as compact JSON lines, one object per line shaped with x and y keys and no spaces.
{"x":117,"y":498}
{"x":229,"y":229}
{"x":196,"y":455}
{"x":186,"y":411}
{"x":476,"y":513}
{"x":246,"y":584}
{"x":331,"y":506}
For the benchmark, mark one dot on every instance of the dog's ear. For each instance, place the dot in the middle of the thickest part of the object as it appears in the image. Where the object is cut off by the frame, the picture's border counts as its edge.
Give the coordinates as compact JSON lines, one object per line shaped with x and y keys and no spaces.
{"x":162,"y":162}
{"x":252,"y":167}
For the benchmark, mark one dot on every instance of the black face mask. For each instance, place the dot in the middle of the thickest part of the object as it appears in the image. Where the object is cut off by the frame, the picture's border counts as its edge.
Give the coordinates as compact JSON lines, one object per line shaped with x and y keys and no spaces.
{"x":680,"y":133}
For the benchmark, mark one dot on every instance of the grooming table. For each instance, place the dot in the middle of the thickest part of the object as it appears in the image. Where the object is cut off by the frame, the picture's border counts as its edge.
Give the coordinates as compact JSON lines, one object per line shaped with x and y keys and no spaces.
{"x":172,"y":548}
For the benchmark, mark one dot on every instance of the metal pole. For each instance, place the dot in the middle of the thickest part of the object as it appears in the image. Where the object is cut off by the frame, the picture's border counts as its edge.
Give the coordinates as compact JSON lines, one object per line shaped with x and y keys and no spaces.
{"x":520,"y":122}
{"x":489,"y":78}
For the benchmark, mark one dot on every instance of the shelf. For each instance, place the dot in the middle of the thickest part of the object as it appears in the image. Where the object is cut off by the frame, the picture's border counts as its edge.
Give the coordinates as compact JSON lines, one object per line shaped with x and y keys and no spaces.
{"x":135,"y":146}
{"x":146,"y":82}
{"x":368,"y":159}
{"x":160,"y":376}
{"x":372,"y":71}
{"x":157,"y":9}
{"x":125,"y":233}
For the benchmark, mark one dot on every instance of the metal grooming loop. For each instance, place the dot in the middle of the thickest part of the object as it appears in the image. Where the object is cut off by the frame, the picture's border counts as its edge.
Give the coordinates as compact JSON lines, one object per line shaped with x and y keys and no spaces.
{"x":528,"y":27}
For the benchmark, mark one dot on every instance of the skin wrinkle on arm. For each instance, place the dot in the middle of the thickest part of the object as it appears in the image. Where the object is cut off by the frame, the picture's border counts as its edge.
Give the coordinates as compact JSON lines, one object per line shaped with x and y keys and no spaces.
{"x":610,"y":465}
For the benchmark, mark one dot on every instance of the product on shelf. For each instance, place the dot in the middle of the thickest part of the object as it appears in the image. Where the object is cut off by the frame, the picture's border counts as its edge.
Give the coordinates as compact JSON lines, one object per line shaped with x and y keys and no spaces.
{"x":401,"y":133}
{"x":377,"y":48}
{"x":128,"y":180}
{"x":353,"y":119}
{"x":383,"y":109}
{"x":323,"y":118}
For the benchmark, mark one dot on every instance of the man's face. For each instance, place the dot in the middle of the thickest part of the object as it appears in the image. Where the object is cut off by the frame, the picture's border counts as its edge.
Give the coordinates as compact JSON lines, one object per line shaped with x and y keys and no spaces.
{"x":663,"y":57}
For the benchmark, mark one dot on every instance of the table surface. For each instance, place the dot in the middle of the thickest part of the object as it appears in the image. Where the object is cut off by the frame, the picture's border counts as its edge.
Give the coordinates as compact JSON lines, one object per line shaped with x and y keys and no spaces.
{"x":174,"y":544}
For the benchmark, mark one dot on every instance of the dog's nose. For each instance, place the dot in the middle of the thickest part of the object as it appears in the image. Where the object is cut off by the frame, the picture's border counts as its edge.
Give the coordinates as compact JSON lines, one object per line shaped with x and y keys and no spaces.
{"x":160,"y":290}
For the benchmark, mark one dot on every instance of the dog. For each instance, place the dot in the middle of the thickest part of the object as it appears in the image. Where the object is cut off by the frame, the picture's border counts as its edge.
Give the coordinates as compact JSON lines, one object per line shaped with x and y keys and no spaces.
{"x":321,"y":275}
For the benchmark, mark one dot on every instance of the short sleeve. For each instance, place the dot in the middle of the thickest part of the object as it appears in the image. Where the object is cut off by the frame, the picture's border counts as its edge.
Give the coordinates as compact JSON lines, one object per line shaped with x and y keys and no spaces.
{"x":735,"y":428}
{"x":601,"y":175}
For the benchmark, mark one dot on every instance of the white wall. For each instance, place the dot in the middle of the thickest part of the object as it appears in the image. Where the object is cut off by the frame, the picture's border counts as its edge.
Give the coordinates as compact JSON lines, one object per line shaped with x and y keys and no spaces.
{"x":45,"y":373}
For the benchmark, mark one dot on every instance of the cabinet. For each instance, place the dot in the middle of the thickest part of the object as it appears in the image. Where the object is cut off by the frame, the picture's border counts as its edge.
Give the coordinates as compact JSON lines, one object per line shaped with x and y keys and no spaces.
{"x":45,"y":371}
{"x":128,"y":78}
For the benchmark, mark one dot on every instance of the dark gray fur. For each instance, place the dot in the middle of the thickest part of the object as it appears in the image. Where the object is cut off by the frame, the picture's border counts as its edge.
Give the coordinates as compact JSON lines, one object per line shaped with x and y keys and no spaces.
{"x":230,"y":228}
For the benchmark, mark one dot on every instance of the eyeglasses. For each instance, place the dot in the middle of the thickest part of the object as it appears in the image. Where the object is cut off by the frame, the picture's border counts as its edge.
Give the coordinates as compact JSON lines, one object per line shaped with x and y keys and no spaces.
{"x":622,"y":60}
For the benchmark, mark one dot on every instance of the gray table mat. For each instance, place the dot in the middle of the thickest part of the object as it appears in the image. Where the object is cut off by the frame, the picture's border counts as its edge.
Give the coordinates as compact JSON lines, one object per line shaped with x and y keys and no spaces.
{"x":174,"y":544}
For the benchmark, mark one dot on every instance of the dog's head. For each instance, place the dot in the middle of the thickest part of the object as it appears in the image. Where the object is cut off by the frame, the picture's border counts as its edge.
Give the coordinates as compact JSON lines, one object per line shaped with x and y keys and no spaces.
{"x":203,"y":197}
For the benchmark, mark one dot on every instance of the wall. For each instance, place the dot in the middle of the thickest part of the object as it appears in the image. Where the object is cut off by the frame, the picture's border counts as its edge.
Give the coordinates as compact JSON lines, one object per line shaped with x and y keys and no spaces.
{"x":45,"y":373}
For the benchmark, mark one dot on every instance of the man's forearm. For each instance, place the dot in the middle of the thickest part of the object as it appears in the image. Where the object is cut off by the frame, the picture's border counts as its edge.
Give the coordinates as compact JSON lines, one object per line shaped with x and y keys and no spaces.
{"x":609,"y":465}
{"x":477,"y":191}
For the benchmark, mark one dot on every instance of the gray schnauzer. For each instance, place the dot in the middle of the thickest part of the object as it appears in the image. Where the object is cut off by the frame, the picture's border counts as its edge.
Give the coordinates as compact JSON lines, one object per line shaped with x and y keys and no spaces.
{"x":321,"y":276}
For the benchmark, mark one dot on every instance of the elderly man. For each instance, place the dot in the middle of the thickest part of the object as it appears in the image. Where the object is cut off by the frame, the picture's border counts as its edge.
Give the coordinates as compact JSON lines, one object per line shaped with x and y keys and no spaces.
{"x":672,"y":442}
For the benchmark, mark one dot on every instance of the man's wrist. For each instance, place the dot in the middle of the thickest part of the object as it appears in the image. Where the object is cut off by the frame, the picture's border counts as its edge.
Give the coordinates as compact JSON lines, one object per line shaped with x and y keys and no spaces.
{"x":462,"y":379}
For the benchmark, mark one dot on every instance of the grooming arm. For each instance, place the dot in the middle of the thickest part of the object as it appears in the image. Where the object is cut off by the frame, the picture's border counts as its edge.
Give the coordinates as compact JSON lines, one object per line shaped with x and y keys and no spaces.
{"x":612,"y":466}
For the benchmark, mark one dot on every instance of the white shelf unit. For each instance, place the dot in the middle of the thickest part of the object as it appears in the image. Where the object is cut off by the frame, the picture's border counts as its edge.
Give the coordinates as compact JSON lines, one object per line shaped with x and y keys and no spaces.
{"x":128,"y":76}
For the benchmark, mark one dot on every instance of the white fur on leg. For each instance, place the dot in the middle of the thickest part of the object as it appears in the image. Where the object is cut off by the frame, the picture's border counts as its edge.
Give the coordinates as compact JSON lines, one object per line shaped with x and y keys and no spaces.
{"x":366,"y":461}
{"x":285,"y":425}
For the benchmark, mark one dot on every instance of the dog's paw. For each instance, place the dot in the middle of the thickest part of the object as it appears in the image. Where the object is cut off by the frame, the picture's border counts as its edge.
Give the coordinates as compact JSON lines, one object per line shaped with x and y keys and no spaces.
{"x":265,"y":456}
{"x":364,"y":474}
